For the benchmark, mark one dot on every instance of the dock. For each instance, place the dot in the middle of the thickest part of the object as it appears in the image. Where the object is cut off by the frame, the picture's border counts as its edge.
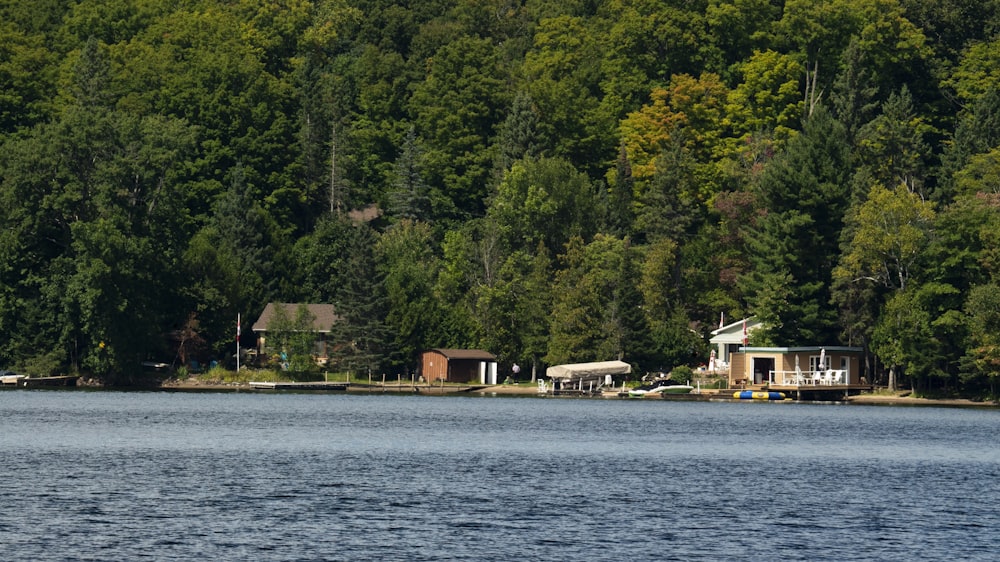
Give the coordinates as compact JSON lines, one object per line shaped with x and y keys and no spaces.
{"x":35,"y":382}
{"x":319,"y":385}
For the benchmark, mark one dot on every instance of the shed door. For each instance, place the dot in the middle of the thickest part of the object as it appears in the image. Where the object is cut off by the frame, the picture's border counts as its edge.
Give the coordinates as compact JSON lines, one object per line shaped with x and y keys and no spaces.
{"x":762,"y":367}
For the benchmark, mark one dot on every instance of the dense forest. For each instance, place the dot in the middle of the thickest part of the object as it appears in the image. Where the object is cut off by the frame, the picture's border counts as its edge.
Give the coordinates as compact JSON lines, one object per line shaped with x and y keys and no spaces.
{"x":549,"y":180}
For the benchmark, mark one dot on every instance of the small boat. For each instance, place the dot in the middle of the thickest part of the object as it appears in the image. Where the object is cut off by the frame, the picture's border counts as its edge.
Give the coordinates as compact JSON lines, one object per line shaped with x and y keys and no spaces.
{"x":759,"y":395}
{"x":61,"y":380}
{"x":10,"y":378}
{"x":677,"y":389}
{"x":660,"y":387}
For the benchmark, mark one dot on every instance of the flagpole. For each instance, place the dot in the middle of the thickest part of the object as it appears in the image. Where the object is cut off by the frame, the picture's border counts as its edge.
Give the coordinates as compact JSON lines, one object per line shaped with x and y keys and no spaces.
{"x":237,"y":342}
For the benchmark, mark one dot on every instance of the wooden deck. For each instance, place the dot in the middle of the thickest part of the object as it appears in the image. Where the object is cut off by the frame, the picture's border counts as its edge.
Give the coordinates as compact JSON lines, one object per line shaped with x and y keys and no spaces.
{"x":320,"y":385}
{"x":822,"y":392}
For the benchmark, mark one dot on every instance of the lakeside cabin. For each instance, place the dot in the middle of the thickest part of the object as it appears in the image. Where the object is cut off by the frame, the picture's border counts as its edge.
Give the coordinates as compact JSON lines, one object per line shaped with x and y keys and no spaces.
{"x":321,"y":319}
{"x":810,"y":371}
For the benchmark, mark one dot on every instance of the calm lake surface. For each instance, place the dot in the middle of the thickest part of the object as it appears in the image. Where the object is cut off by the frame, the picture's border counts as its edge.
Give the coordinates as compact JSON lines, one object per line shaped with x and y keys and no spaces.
{"x":238,"y":476}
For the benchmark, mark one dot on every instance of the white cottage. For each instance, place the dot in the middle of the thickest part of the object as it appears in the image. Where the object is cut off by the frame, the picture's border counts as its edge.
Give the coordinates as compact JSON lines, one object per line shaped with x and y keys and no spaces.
{"x":729,"y":339}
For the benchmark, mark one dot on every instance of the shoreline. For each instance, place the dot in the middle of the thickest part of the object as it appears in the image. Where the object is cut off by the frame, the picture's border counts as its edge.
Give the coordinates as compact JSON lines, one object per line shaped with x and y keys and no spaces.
{"x":899,"y":399}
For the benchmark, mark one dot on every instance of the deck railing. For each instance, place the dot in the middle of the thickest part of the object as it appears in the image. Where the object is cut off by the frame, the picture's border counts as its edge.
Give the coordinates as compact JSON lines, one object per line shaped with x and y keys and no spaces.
{"x":829,"y":377}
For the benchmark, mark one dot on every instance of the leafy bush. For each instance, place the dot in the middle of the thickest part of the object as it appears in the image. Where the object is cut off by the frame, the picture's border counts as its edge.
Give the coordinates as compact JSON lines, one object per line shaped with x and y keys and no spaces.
{"x":682,"y":373}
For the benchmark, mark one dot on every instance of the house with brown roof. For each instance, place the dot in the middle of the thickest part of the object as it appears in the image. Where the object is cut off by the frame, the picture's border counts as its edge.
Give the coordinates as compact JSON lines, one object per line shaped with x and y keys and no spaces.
{"x":458,"y":365}
{"x":323,"y":317}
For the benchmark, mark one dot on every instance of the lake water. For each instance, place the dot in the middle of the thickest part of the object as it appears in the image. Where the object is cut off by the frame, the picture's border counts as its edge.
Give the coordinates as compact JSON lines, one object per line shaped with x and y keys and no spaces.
{"x":238,"y":476}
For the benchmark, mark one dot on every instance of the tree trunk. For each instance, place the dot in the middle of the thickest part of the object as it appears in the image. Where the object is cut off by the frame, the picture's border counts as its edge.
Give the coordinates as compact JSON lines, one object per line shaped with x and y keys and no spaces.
{"x":892,"y":378}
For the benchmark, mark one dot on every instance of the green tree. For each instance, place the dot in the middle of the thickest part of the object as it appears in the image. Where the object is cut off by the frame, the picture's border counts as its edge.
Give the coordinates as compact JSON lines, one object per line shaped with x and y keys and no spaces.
{"x":574,"y":332}
{"x":916,"y":333}
{"x":565,"y":87}
{"x":852,"y":96}
{"x":670,"y":342}
{"x":596,"y":311}
{"x":890,"y":233}
{"x":517,"y":137}
{"x":982,"y":360}
{"x":406,"y":261}
{"x":236,"y":260}
{"x":892,"y":146}
{"x":513,"y":311}
{"x":805,"y":194}
{"x":408,"y":198}
{"x":532,"y":309}
{"x":953,"y":25}
{"x":769,"y":97}
{"x":91,"y":215}
{"x":27,"y":78}
{"x":197,"y":63}
{"x":543,"y":201}
{"x":646,"y":42}
{"x":976,"y":72}
{"x":977,"y":131}
{"x":735,"y":29}
{"x":360,"y":339}
{"x":892,"y":230}
{"x":456,"y":110}
{"x":621,"y":189}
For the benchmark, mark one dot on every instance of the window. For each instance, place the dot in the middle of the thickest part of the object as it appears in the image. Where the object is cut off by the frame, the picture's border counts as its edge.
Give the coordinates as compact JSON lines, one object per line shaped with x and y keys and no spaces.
{"x":814,"y":363}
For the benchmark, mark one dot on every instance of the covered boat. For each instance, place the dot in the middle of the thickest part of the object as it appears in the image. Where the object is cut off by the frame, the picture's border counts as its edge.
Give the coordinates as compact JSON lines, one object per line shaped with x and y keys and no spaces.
{"x":586,"y":376}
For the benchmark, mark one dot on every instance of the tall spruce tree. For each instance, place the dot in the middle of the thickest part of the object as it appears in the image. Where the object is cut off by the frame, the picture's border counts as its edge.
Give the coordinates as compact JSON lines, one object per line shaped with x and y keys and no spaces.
{"x":408,"y":197}
{"x":805,"y":193}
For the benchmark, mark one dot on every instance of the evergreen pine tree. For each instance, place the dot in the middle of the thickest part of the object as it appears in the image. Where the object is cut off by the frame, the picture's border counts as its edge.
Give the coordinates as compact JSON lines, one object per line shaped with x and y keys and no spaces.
{"x":408,"y":198}
{"x":805,"y":193}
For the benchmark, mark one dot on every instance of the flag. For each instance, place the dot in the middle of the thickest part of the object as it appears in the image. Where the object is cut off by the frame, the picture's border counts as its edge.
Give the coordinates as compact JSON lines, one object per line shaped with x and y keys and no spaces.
{"x":722,"y":317}
{"x":744,"y":332}
{"x":237,"y":328}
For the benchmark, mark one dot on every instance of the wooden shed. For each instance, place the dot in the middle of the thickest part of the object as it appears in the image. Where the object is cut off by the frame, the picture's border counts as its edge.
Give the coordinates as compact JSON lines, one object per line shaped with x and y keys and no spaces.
{"x":458,"y":365}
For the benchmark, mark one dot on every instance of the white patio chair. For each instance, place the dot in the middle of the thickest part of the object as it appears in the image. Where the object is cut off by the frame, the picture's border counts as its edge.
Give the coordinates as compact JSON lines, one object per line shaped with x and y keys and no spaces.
{"x":817,"y":377}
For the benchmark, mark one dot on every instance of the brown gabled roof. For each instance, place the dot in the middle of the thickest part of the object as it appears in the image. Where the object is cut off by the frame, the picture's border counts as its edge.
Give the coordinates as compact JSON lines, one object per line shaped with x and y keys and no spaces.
{"x":323,"y":314}
{"x":466,"y":354}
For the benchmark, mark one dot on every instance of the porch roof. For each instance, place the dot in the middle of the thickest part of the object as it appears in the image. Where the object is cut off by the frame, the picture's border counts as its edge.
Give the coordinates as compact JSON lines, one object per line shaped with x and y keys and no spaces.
{"x":733,"y":333}
{"x":803,"y":349}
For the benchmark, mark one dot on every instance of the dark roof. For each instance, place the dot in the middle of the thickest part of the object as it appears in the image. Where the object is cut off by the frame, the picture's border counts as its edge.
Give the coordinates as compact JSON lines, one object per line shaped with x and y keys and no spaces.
{"x":324,"y":315}
{"x":466,"y":354}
